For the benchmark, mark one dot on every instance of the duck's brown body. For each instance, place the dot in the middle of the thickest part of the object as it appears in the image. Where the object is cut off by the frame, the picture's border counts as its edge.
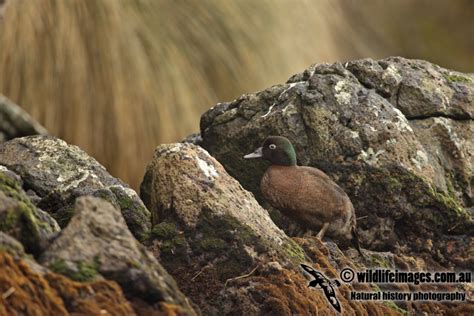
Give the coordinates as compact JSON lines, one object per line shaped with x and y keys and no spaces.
{"x":309,"y":196}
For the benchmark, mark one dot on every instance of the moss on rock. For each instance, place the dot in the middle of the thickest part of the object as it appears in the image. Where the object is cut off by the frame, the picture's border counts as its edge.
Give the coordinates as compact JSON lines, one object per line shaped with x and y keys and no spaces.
{"x":20,"y":218}
{"x":82,"y":271}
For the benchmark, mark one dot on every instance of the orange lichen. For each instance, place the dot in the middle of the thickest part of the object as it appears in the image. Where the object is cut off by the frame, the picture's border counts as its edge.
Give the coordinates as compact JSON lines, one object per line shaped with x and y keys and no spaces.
{"x":29,"y":293}
{"x":94,"y":298}
{"x":23,"y":292}
{"x":286,"y":292}
{"x":160,"y":309}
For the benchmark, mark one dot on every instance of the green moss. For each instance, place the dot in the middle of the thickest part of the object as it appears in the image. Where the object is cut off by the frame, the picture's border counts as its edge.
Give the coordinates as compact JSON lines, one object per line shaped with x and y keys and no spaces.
{"x":225,"y":232}
{"x":393,"y":184}
{"x":224,"y":238}
{"x":164,"y":230}
{"x":59,"y":266}
{"x":456,"y":78}
{"x":212,"y":244}
{"x":9,"y":220}
{"x":378,"y":261}
{"x":12,"y":189}
{"x":134,"y":264}
{"x":172,"y":241}
{"x":293,"y":252}
{"x":448,"y":201}
{"x":21,"y":217}
{"x":173,"y":245}
{"x":107,"y":196}
{"x":86,"y":271}
{"x":395,"y":307}
{"x":15,"y":252}
{"x":389,"y":304}
{"x":125,"y":202}
{"x":423,"y":193}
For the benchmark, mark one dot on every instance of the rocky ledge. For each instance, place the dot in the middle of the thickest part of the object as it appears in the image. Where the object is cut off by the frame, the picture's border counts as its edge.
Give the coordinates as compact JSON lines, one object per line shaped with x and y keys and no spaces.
{"x":396,"y":134}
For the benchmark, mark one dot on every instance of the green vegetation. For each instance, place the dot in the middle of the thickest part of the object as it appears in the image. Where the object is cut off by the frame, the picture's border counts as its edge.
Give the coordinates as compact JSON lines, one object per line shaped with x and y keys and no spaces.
{"x":171,"y":239}
{"x":450,"y":77}
{"x":86,"y":271}
{"x":20,"y":218}
{"x":164,"y":230}
{"x":378,"y":261}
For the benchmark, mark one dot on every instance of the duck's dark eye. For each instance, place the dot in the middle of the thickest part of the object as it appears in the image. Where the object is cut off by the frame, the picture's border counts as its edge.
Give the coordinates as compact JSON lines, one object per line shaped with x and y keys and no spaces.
{"x":272,"y":146}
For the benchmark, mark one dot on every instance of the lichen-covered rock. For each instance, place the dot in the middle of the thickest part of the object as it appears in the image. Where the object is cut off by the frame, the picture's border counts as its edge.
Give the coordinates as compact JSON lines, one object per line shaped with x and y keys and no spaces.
{"x":11,"y":245}
{"x":184,"y":182}
{"x":418,"y":88}
{"x":207,"y":229}
{"x":97,"y":243}
{"x":439,"y":106}
{"x":25,"y":292}
{"x":56,"y":173}
{"x":14,"y":122}
{"x":403,"y":151}
{"x":20,"y":218}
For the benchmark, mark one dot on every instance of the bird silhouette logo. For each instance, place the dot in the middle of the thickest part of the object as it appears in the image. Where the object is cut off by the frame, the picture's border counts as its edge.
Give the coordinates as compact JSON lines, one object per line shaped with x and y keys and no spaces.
{"x":325,"y":284}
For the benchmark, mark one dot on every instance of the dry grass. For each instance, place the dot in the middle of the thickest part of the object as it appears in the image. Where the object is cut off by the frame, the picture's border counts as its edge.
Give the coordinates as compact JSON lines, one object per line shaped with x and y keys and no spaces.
{"x":119,"y":77}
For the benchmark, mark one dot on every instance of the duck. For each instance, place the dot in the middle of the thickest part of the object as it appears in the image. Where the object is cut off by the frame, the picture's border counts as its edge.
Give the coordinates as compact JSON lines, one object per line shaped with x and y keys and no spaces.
{"x":305,"y":194}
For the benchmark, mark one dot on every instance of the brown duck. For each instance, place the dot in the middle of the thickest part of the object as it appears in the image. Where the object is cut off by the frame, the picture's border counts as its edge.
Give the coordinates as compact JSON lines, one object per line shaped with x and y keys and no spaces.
{"x":305,"y":194}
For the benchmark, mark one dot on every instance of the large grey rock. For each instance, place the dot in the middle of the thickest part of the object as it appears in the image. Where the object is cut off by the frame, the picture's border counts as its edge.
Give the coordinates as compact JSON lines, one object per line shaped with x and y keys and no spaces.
{"x":395,"y":134}
{"x":14,"y":122}
{"x":55,"y":173}
{"x":20,"y":218}
{"x":98,"y":242}
{"x":439,"y":106}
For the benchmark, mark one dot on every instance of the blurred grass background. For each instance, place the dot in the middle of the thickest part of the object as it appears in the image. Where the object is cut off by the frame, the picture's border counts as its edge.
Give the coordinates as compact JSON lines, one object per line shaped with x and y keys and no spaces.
{"x":118,"y":77}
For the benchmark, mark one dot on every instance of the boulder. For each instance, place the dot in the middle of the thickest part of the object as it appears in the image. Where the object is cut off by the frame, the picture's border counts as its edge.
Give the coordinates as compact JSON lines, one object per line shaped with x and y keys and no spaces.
{"x":395,"y":134}
{"x":15,"y":122}
{"x":20,"y":218}
{"x":56,"y":173}
{"x":97,"y":243}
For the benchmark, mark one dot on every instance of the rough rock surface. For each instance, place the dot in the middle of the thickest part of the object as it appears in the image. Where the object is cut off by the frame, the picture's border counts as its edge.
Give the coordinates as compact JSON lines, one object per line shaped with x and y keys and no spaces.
{"x":97,"y":242}
{"x":395,"y":134}
{"x":222,"y":247}
{"x":24,"y":292}
{"x":20,"y":218}
{"x":55,"y":173}
{"x":14,"y":122}
{"x":11,"y":245}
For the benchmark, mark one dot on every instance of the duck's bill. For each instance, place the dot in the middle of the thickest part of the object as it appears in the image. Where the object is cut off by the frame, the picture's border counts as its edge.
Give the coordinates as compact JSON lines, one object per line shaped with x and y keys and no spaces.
{"x":256,"y":154}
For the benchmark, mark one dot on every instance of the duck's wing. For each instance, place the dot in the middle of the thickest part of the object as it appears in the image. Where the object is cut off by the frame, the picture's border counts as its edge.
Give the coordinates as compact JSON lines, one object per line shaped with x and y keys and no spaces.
{"x":320,"y":176}
{"x":317,"y":189}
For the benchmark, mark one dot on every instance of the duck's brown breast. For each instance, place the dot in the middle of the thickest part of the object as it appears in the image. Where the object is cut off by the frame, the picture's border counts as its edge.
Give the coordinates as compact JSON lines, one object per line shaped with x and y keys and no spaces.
{"x":280,"y":184}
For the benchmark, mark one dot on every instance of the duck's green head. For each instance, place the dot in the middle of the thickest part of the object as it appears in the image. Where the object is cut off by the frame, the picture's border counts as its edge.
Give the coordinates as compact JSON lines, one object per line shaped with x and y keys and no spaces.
{"x":276,"y":149}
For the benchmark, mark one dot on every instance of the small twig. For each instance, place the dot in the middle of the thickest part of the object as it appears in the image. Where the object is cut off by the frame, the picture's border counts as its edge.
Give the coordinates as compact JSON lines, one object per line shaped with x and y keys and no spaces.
{"x":199,"y":273}
{"x":454,"y":227}
{"x":241,"y":276}
{"x":9,"y":292}
{"x":362,"y":217}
